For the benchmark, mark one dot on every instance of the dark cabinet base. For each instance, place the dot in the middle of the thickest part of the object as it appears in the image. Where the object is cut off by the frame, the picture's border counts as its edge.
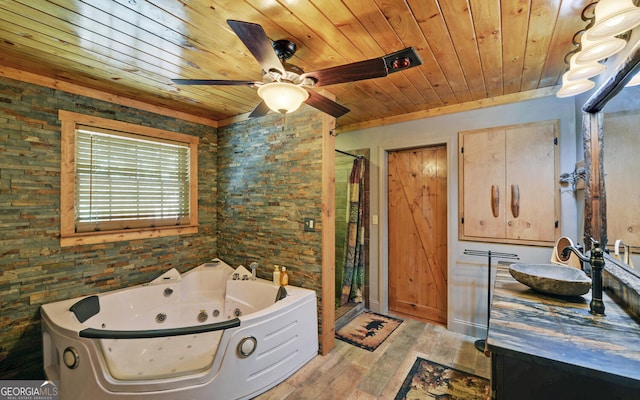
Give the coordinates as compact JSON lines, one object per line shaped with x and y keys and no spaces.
{"x":515,"y":378}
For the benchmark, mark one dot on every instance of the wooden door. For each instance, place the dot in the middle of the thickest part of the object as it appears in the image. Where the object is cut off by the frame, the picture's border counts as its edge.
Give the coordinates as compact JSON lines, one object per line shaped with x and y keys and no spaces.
{"x":417,"y":197}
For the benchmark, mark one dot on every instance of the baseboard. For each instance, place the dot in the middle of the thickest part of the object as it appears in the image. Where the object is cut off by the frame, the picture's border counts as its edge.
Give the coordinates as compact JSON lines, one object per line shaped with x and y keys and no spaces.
{"x":468,"y":328}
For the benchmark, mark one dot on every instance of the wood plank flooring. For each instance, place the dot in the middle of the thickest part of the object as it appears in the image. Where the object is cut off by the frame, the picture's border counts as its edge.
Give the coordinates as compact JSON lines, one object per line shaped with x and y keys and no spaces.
{"x":350,"y":373}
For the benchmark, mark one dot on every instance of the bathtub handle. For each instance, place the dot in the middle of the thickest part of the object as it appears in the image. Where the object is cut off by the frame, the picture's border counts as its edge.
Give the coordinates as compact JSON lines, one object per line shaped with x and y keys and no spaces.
{"x":247,"y":346}
{"x":93,"y":333}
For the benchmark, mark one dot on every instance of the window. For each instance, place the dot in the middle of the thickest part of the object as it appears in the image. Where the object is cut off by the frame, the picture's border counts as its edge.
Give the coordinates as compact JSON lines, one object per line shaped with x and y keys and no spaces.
{"x":123,"y":181}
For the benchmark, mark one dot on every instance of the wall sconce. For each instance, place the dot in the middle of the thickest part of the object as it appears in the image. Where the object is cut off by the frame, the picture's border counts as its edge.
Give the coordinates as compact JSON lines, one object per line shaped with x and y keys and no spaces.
{"x":614,"y":17}
{"x":574,"y":87}
{"x":282,"y":97}
{"x":605,"y":20}
{"x":596,"y":50}
{"x":585,"y":70}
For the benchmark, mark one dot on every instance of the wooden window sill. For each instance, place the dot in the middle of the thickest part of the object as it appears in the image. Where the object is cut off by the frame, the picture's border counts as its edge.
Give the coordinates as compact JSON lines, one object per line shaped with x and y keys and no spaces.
{"x":129,"y":234}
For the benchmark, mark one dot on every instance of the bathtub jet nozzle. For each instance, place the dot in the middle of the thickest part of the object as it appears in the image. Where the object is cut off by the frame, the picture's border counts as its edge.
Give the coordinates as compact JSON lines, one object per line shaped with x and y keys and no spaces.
{"x":202,"y":316}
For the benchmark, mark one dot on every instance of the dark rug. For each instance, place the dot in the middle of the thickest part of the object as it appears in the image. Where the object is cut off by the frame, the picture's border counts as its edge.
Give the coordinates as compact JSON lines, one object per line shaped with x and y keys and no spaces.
{"x":429,"y":380}
{"x":368,"y":330}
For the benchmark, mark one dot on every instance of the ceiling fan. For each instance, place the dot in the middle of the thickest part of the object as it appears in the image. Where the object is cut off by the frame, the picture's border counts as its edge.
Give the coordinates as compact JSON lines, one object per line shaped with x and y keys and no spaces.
{"x":284,"y":87}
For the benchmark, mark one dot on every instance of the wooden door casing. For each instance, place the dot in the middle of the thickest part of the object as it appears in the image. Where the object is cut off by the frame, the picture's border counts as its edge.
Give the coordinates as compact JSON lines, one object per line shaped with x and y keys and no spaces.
{"x":417,"y":198}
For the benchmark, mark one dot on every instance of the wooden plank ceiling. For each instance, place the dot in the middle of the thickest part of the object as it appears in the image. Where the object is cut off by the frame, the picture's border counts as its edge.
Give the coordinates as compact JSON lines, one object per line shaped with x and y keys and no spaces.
{"x":472,"y":50}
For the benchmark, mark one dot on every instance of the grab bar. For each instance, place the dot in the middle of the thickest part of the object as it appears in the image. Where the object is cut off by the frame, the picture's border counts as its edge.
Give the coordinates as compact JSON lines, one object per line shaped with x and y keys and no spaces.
{"x":93,"y":333}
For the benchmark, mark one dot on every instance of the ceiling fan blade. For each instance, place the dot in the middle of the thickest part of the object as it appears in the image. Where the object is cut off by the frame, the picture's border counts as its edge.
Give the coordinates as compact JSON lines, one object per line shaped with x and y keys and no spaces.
{"x":256,"y":40}
{"x":326,"y":105}
{"x":261,"y":110}
{"x":215,"y":82}
{"x":368,"y":69}
{"x":374,"y":68}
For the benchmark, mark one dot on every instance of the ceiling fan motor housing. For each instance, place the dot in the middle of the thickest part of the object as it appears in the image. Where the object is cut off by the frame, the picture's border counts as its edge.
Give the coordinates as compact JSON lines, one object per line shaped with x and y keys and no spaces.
{"x":285,"y":49}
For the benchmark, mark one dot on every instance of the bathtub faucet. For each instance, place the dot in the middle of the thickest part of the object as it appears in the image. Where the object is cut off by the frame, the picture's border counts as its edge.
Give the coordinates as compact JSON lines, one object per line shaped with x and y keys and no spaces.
{"x":597,"y":264}
{"x":254,"y":266}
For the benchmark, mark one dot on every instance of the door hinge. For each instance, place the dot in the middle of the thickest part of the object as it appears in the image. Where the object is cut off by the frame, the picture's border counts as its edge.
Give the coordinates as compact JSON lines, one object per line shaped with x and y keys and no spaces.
{"x":556,"y":224}
{"x":462,"y":149}
{"x":462,"y":220}
{"x":555,"y":141}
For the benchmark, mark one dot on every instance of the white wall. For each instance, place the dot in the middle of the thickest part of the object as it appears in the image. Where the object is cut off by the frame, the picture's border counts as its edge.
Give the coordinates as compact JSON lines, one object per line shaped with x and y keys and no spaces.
{"x":467,"y":275}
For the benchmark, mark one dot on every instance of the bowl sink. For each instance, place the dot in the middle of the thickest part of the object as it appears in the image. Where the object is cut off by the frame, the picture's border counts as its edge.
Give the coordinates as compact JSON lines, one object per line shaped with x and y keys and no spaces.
{"x":552,"y":279}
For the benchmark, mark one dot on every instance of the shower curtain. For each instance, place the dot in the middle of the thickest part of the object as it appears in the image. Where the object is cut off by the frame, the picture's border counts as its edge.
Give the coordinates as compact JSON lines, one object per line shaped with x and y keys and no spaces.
{"x":354,"y":264}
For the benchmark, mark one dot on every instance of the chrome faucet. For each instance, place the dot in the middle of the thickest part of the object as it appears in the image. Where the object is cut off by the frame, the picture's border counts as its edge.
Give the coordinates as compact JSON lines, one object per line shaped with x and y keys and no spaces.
{"x":597,"y":264}
{"x":254,"y":265}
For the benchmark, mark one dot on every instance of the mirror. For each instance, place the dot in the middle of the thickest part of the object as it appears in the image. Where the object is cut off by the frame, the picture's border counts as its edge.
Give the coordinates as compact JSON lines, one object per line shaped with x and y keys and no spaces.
{"x":621,"y":126}
{"x":611,"y":135}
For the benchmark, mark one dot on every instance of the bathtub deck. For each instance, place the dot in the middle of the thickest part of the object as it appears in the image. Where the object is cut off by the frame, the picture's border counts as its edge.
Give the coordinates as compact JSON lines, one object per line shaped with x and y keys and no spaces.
{"x":351,"y":373}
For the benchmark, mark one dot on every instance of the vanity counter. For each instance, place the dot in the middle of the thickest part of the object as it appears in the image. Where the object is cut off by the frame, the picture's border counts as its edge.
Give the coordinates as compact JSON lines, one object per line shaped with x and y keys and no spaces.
{"x":555,"y":342}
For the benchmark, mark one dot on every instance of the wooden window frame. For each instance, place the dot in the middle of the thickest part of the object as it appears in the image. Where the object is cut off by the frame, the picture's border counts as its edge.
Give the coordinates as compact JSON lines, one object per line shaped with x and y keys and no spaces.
{"x":68,"y":235}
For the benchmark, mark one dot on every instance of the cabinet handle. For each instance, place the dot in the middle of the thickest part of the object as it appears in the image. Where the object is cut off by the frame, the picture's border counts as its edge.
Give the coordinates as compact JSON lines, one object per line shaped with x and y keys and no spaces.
{"x":515,"y":200}
{"x":495,"y":200}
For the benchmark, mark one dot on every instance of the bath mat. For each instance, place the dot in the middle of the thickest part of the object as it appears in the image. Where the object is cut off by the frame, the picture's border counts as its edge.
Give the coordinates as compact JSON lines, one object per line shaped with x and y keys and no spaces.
{"x":368,"y":330}
{"x":429,"y":380}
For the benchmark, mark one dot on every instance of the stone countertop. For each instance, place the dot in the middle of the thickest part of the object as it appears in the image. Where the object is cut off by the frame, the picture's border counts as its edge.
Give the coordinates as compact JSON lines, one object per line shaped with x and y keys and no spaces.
{"x":562,"y":333}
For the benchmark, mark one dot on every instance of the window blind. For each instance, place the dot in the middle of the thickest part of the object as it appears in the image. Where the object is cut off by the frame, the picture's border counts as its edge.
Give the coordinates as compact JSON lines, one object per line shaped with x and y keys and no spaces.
{"x":126,"y":181}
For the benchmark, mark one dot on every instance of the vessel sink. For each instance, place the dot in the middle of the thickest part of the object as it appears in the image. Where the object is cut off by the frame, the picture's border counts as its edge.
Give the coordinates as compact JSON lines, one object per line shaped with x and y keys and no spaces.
{"x":552,"y":279}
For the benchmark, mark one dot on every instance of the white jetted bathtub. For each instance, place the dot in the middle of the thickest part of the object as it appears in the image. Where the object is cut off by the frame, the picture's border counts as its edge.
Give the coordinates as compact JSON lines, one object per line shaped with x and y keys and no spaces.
{"x":210,"y":333}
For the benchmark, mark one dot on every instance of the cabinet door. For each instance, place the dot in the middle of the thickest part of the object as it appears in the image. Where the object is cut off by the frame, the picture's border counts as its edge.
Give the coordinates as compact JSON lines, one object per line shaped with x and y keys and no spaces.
{"x":531,"y":182}
{"x":509,"y":181}
{"x":483,"y":196}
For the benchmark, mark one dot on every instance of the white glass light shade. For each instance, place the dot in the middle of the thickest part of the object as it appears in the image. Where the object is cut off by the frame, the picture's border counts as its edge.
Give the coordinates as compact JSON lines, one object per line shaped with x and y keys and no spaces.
{"x":583,"y":71}
{"x":282,"y":97}
{"x":572,"y":88}
{"x":634,"y":81}
{"x":596,"y":50}
{"x":614,"y":17}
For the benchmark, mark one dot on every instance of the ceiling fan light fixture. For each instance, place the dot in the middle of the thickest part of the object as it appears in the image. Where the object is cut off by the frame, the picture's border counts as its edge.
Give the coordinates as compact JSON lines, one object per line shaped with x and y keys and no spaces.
{"x":583,"y":71}
{"x":596,"y":50}
{"x":571,"y":88}
{"x":614,"y":17}
{"x":282,"y":97}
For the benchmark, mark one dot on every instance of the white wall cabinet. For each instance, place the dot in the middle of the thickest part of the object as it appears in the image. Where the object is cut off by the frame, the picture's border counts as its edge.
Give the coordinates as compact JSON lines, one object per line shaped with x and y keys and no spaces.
{"x":509,"y":184}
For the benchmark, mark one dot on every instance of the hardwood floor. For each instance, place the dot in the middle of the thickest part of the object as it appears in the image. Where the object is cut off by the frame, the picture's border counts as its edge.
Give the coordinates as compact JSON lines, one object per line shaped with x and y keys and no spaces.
{"x":351,"y":373}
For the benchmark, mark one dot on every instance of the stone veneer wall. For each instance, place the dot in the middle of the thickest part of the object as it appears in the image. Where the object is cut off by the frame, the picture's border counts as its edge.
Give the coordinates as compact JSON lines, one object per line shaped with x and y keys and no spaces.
{"x":270,"y":179}
{"x":34,"y":269}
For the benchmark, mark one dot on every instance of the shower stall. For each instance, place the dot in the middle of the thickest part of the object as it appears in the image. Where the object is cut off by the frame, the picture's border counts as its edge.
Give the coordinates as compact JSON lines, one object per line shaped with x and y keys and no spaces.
{"x":352,"y":232}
